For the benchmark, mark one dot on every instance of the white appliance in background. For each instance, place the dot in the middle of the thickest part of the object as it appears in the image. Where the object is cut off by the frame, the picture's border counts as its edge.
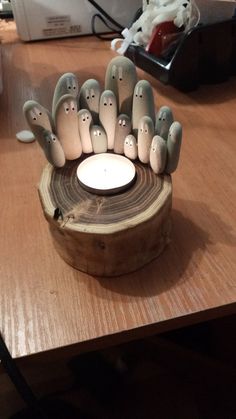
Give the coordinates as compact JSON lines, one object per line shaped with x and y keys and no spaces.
{"x":41,"y":19}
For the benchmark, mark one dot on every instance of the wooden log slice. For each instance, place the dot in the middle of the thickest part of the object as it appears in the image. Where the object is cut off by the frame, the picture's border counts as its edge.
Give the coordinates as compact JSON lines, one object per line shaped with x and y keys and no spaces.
{"x":107,"y":235}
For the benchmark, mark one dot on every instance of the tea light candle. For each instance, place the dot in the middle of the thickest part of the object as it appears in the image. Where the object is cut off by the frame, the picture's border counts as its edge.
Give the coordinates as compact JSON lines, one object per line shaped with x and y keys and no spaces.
{"x":106,"y":173}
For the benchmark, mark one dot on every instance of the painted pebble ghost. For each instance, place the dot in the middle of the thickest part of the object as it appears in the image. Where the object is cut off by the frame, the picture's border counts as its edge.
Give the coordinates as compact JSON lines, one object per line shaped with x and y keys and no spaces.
{"x":123,"y":128}
{"x":38,"y":119}
{"x":164,"y":119}
{"x":67,"y":127}
{"x":99,"y":139}
{"x":53,"y":149}
{"x":130,"y":147}
{"x":108,"y":115}
{"x":121,"y":77}
{"x":89,"y":97}
{"x":145,"y":136}
{"x":173,"y":147}
{"x":85,"y":121}
{"x":158,"y":153}
{"x":66,"y":85}
{"x":143,"y":103}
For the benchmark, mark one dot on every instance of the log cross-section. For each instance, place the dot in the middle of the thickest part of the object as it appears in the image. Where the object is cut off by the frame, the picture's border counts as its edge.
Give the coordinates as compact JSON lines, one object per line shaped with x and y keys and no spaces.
{"x":107,"y":235}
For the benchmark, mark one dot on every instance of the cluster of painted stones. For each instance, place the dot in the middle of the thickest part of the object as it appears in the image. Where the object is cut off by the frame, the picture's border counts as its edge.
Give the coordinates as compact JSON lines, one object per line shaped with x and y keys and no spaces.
{"x":122,"y":118}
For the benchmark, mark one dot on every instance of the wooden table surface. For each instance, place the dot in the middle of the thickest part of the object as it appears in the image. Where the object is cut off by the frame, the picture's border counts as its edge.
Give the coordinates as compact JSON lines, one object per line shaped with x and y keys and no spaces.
{"x":44,"y":303}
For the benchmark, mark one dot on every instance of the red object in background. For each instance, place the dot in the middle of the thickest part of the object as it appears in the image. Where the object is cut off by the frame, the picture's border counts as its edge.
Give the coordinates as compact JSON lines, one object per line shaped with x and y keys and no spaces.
{"x":160,"y":40}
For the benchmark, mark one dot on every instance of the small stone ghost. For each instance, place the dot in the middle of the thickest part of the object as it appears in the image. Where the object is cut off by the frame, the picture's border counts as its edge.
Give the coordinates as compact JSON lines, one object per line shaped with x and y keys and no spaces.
{"x":145,"y":135}
{"x":143,"y":103}
{"x":53,"y":149}
{"x":158,"y":152}
{"x":89,"y":98}
{"x":121,"y":77}
{"x":164,"y":119}
{"x":85,"y":121}
{"x":67,"y":127}
{"x":99,"y":139}
{"x":66,"y":85}
{"x":130,"y":147}
{"x":123,"y":128}
{"x":38,"y":118}
{"x":173,"y":147}
{"x":108,"y":115}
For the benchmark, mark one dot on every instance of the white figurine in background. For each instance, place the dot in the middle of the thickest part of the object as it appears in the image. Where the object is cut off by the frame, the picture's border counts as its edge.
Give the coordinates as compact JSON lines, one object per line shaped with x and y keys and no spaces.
{"x":89,"y":98}
{"x":158,"y":152}
{"x":164,"y":119}
{"x":38,"y":118}
{"x":143,"y":103}
{"x":123,"y":128}
{"x":53,"y":149}
{"x":130,"y":147}
{"x":67,"y":127}
{"x":108,"y":115}
{"x":173,"y":147}
{"x":99,"y":139}
{"x":121,"y":77}
{"x":85,"y":121}
{"x":67,"y":84}
{"x":181,"y":12}
{"x":145,"y":136}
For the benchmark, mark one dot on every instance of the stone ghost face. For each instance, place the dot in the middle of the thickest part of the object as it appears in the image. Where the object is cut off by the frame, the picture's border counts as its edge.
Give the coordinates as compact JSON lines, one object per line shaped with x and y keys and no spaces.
{"x":143,"y":91}
{"x":70,"y":107}
{"x":84,"y":122}
{"x":99,"y":139}
{"x":71,"y":84}
{"x":90,"y":97}
{"x":85,"y":117}
{"x":53,"y":150}
{"x":130,"y":147}
{"x":108,"y":100}
{"x":121,"y":78}
{"x":146,"y":127}
{"x":164,"y":120}
{"x":67,"y":126}
{"x":37,"y":115}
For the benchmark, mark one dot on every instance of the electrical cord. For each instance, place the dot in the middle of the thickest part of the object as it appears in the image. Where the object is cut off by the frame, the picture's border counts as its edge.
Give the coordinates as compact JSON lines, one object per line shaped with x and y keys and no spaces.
{"x":99,"y":36}
{"x":102,"y":17}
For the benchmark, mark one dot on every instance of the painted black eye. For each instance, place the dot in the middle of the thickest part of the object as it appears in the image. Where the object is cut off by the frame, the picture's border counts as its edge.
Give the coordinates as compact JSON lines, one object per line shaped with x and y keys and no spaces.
{"x":93,"y":96}
{"x":136,"y":95}
{"x":73,"y":108}
{"x":110,"y":104}
{"x":35,"y":119}
{"x":105,"y":104}
{"x":69,"y":87}
{"x":120,"y":79}
{"x":87,"y":97}
{"x":113,"y":77}
{"x":40,"y":113}
{"x":67,"y":109}
{"x":87,"y":117}
{"x":74,"y":87}
{"x":84,"y":119}
{"x":141,"y":96}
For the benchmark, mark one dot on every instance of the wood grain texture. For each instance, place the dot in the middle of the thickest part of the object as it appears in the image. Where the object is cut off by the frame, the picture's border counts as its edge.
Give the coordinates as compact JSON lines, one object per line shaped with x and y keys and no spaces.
{"x":107,"y":235}
{"x":44,"y":303}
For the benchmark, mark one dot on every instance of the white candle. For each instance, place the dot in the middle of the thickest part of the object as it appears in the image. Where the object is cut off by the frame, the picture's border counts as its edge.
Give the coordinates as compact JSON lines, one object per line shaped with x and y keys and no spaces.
{"x":106,"y":173}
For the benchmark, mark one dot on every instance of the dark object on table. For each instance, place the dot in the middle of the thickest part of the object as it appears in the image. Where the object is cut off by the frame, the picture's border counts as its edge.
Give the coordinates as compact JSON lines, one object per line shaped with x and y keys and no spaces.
{"x":206,"y":54}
